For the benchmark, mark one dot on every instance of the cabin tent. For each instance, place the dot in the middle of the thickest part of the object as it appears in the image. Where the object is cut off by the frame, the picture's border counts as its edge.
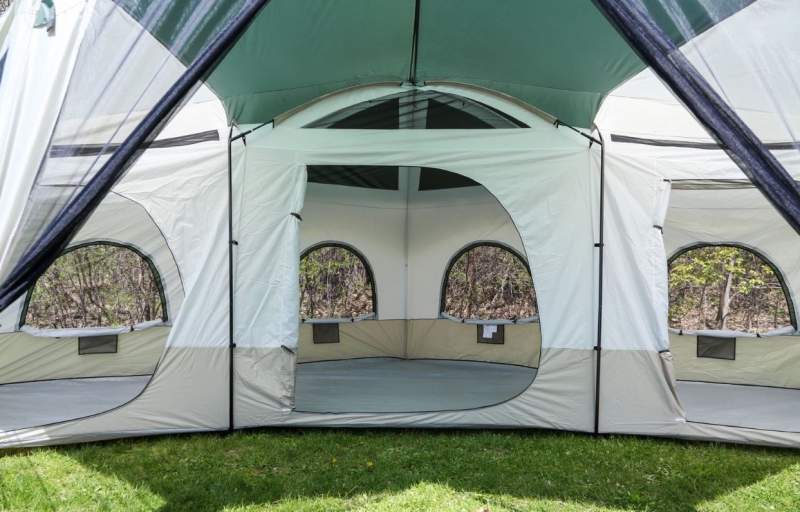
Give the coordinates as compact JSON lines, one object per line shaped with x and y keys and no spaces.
{"x":247,"y":175}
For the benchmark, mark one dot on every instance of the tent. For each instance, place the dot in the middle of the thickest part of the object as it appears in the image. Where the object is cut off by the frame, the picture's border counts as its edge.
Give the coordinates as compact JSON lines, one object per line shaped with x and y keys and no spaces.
{"x":224,"y":142}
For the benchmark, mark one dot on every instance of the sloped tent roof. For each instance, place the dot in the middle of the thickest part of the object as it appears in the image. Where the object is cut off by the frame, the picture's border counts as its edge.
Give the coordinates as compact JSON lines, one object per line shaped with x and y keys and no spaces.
{"x":561,"y":57}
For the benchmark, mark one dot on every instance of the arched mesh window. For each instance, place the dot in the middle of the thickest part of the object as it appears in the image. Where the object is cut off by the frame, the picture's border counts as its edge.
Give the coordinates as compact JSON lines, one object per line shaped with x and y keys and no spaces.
{"x":488,"y":282}
{"x":335,"y":282}
{"x":416,"y":109}
{"x":726,"y":287}
{"x":97,"y":285}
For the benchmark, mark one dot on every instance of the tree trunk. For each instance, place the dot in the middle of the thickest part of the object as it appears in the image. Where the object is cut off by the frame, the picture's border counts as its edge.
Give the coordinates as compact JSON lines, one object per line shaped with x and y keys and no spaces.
{"x":725,"y":302}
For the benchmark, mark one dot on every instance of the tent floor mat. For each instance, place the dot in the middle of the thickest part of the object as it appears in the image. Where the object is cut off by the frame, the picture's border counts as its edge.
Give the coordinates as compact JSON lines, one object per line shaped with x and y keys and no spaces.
{"x":32,"y":404}
{"x":386,"y":385}
{"x":736,"y":405}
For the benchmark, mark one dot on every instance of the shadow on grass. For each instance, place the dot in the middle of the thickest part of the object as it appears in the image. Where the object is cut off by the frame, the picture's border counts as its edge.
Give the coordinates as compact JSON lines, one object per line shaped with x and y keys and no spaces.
{"x":211,"y":472}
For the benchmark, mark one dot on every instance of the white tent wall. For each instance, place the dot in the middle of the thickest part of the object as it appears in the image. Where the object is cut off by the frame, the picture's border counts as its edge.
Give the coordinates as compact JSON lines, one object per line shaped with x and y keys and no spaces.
{"x":440,"y":224}
{"x":28,"y":358}
{"x":636,"y":293}
{"x":38,"y":354}
{"x":409,"y":244}
{"x":5,"y":25}
{"x":541,"y":176}
{"x":371,"y":221}
{"x":740,"y":216}
{"x":172,"y":205}
{"x":186,"y":197}
{"x":637,"y":387}
{"x":748,"y":59}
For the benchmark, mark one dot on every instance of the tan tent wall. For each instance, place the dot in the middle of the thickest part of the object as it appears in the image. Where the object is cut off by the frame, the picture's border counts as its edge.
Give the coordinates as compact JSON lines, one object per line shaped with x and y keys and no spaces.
{"x":445,"y":339}
{"x":434,"y":339}
{"x":27,"y":358}
{"x":188,"y":393}
{"x":769,"y":361}
{"x":368,"y":338}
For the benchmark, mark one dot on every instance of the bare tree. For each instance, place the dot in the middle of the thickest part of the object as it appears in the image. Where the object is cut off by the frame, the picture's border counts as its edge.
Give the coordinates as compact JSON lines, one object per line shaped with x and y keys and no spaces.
{"x":95,"y":286}
{"x":334,"y":283}
{"x":489,"y":283}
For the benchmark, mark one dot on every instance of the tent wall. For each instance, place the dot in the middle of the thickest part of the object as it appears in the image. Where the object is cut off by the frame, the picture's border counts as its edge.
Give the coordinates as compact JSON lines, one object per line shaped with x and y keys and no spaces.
{"x":422,"y":339}
{"x":409,"y":238}
{"x":740,"y":216}
{"x":637,"y":392}
{"x":186,"y":394}
{"x":173,"y":206}
{"x":369,"y":338}
{"x":123,"y":221}
{"x":564,"y":173}
{"x":769,"y":361}
{"x":445,"y":339}
{"x":540,"y":176}
{"x":440,"y":224}
{"x":30,"y":358}
{"x":371,"y":221}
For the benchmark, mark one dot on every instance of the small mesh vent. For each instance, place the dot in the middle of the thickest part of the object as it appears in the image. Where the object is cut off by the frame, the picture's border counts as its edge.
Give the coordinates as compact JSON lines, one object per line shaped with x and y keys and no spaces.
{"x":492,"y":334}
{"x":97,"y":345}
{"x":326,"y":333}
{"x":716,"y":347}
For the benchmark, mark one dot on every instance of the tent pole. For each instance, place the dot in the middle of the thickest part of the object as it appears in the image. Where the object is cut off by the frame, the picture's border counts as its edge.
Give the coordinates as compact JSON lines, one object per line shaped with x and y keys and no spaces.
{"x":248,"y":132}
{"x":559,"y":123}
{"x":600,"y":246}
{"x":231,"y":243}
{"x":412,"y":69}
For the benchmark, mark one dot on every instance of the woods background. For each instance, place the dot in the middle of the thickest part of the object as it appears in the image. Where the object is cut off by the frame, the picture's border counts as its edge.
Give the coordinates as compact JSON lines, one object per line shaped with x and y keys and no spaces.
{"x":710,"y":288}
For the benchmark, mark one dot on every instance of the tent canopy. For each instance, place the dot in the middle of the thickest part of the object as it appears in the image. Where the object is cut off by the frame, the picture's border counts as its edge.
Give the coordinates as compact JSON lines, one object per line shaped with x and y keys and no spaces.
{"x":562,"y":57}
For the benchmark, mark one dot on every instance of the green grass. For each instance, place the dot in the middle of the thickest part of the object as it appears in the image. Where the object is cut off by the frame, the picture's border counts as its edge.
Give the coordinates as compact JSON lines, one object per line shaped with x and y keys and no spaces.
{"x":322,"y":470}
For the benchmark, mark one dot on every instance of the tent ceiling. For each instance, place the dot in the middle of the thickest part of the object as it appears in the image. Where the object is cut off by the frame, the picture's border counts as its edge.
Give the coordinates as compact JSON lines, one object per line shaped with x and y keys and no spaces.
{"x":562,"y":57}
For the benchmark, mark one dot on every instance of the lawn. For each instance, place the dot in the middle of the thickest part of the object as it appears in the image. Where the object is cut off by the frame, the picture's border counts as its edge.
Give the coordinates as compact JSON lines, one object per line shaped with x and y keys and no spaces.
{"x":329,"y":470}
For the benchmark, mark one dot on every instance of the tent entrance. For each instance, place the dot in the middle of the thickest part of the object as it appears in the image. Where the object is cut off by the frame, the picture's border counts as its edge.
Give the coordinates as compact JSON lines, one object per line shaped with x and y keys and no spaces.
{"x":415,"y":295}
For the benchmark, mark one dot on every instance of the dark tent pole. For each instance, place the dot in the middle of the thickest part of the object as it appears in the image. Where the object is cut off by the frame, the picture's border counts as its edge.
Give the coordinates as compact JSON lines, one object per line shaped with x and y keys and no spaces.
{"x":412,"y":69}
{"x":58,"y":233}
{"x":231,"y":243}
{"x":634,"y":23}
{"x":600,"y":248}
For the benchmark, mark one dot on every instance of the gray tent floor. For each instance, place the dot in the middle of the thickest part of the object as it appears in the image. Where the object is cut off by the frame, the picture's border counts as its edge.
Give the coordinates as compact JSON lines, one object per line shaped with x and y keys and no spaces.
{"x":741,"y":406}
{"x":385,"y":385}
{"x":31,"y":404}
